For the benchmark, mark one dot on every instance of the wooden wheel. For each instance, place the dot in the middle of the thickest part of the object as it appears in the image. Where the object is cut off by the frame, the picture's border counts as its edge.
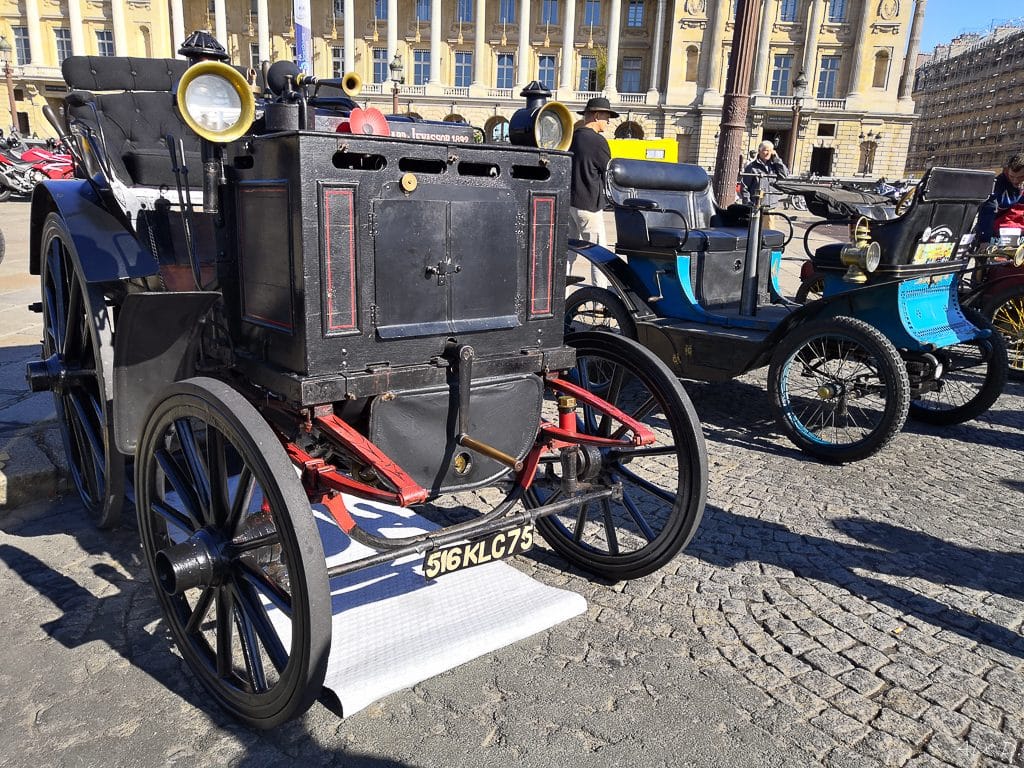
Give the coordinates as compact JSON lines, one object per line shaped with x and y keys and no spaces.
{"x":234,"y":552}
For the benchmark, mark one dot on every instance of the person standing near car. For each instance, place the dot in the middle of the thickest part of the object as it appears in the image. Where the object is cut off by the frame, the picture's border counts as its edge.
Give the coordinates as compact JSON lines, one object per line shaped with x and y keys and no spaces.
{"x":1005,"y":206}
{"x":590,"y":158}
{"x":757,"y":175}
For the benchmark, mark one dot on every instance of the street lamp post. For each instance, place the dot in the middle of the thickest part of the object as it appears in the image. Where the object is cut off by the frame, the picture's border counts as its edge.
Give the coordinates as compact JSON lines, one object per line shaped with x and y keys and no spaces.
{"x":5,"y":53}
{"x":799,"y":92}
{"x":397,"y":79}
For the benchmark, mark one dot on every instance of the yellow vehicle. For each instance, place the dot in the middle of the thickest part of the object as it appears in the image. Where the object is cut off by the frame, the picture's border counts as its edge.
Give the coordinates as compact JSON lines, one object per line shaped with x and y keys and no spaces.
{"x":665,"y":150}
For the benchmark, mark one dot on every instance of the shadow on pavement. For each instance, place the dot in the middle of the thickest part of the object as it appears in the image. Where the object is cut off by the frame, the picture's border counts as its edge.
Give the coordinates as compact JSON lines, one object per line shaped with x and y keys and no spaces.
{"x":117,"y":619}
{"x":726,"y":539}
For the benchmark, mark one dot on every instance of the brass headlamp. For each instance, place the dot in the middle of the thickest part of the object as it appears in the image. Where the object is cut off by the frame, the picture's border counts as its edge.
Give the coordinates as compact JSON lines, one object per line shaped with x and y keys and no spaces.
{"x":861,"y":255}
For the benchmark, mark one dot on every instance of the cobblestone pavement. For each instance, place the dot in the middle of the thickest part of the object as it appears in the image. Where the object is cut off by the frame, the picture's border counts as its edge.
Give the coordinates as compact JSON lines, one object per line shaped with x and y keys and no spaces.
{"x":849,"y":616}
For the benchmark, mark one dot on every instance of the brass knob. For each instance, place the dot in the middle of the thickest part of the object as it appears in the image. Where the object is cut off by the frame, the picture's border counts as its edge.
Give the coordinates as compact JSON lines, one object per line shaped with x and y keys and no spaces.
{"x":408,"y":182}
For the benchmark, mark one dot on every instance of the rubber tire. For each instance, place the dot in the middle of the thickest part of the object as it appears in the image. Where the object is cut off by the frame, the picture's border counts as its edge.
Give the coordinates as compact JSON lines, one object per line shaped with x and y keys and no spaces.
{"x":992,"y":305}
{"x":5,"y":194}
{"x":217,"y":404}
{"x":103,"y":506}
{"x":996,"y":373}
{"x":893,"y":369}
{"x":815,"y":283}
{"x":690,"y":488}
{"x":613,"y":305}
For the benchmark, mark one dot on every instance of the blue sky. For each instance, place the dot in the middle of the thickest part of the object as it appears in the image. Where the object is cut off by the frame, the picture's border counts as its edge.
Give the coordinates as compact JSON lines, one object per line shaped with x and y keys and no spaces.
{"x":945,"y":19}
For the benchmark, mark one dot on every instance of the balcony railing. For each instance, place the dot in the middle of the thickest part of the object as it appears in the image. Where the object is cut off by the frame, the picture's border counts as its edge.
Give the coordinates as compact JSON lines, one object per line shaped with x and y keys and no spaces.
{"x":633,"y":98}
{"x":586,"y":95}
{"x":499,"y":93}
{"x":372,"y":89}
{"x":456,"y":90}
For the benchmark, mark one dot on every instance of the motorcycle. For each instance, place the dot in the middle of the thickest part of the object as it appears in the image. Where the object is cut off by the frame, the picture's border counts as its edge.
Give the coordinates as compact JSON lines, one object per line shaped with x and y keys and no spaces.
{"x":18,"y":177}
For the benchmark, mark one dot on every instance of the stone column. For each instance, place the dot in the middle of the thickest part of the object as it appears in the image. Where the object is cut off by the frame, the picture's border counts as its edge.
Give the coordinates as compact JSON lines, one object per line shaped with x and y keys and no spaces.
{"x":220,"y":21}
{"x":764,"y":44}
{"x":348,"y":25}
{"x":78,"y":38}
{"x":393,"y":40}
{"x":910,"y":63}
{"x":435,"y":44}
{"x":568,"y":47}
{"x":858,"y":49}
{"x":262,"y":28}
{"x":479,"y":43}
{"x":614,"y":32}
{"x":811,"y":43}
{"x":523,"y":69}
{"x":120,"y":31}
{"x":35,"y":35}
{"x":714,"y":52}
{"x":659,"y":42}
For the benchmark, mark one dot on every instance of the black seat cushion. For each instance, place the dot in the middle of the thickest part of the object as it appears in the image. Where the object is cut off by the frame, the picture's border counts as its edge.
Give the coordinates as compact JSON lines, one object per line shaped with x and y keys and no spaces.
{"x":699,"y":240}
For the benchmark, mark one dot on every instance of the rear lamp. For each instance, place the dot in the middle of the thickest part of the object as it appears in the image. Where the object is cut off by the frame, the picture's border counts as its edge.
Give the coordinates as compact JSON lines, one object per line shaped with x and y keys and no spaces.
{"x":215,"y":101}
{"x":541,"y":123}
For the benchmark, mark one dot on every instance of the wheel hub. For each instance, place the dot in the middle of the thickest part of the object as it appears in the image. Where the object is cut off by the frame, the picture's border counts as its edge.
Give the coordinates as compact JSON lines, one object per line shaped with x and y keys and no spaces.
{"x":199,"y":561}
{"x":53,"y":375}
{"x":590,"y":462}
{"x":830,"y":391}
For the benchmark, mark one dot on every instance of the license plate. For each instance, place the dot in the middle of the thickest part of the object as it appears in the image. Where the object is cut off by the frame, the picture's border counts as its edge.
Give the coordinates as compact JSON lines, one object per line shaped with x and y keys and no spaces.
{"x":497,"y":546}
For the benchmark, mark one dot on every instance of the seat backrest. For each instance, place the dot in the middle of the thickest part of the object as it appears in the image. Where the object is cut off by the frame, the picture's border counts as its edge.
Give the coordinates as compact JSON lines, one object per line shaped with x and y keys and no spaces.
{"x":131,"y":101}
{"x":941,"y":213}
{"x":673,"y":186}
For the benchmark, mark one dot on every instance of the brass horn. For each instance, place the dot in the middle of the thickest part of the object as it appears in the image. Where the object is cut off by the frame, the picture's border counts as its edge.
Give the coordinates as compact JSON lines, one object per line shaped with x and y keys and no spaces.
{"x":351,"y":84}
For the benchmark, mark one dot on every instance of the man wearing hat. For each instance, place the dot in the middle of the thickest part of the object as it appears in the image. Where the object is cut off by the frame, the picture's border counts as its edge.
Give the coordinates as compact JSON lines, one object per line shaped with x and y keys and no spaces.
{"x":590,"y":158}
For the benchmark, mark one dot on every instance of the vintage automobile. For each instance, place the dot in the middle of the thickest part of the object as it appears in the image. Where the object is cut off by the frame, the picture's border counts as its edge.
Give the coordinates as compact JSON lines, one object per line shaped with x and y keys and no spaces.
{"x":697,"y":285}
{"x":249,"y":314}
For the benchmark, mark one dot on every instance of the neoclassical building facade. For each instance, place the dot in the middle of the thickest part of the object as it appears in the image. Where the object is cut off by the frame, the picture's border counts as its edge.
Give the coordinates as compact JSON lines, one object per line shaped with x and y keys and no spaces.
{"x":662,"y":63}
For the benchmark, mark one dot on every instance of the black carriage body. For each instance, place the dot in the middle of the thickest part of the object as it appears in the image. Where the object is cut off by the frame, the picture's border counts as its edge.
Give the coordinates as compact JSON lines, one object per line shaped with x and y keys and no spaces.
{"x":354,"y":262}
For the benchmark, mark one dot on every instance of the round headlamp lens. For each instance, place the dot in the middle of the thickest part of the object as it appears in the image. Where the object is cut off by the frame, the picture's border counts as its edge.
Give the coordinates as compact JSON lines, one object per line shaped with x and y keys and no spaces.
{"x":873,"y":257}
{"x":213,"y":103}
{"x":548,"y":130}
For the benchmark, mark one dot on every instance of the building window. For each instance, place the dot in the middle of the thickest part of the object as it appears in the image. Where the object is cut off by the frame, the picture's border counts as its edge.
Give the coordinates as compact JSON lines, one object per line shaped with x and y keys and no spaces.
{"x":337,"y":61}
{"x":254,"y":55}
{"x":63,"y":37}
{"x":422,"y":10}
{"x":635,"y":13}
{"x":339,"y":8}
{"x":549,"y":12}
{"x":381,"y":73}
{"x":826,"y":129}
{"x":780,"y":74}
{"x":380,"y":9}
{"x":592,"y":13}
{"x":506,"y":71}
{"x":692,"y":63}
{"x":629,"y":80}
{"x":22,"y":49}
{"x":787,"y":10}
{"x":464,"y":11}
{"x":588,"y":73}
{"x":254,"y":9}
{"x":211,"y":7}
{"x":507,"y":12}
{"x":880,"y":78}
{"x":104,"y":42}
{"x":828,"y":77}
{"x":463,"y":69}
{"x":837,"y":10}
{"x":420,"y":66}
{"x":546,"y":71}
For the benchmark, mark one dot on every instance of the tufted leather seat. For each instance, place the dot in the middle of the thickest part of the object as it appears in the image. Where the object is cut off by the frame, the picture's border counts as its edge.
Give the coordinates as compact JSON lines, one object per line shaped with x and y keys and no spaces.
{"x":131,"y":101}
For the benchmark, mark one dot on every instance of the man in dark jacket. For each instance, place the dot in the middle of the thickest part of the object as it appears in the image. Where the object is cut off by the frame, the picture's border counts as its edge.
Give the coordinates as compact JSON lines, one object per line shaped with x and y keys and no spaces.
{"x":590,"y":158}
{"x":1005,"y":207}
{"x":758,"y":173}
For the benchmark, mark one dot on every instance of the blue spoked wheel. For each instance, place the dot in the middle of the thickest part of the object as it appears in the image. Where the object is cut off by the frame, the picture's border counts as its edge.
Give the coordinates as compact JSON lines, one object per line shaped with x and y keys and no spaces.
{"x":971,"y":376}
{"x":839,"y":389}
{"x":664,"y":484}
{"x":233,"y":551}
{"x":78,"y":347}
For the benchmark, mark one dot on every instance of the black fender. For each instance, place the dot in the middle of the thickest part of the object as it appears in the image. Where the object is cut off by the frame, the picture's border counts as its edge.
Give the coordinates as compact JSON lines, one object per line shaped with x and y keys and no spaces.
{"x":149,"y":354}
{"x":619,"y":276}
{"x":107,"y":249}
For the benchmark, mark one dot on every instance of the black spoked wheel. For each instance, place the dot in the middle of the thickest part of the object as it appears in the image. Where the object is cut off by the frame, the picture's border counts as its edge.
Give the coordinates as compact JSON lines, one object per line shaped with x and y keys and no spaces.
{"x":597,"y":309}
{"x":664,"y":484}
{"x":811,"y":288}
{"x":839,"y":389}
{"x":971,"y":379}
{"x":1006,"y":311}
{"x":78,"y":348}
{"x":234,"y":553}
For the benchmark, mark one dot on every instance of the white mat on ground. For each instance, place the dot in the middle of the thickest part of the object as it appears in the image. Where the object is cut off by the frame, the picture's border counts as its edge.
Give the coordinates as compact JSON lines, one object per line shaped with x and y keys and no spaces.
{"x":392,"y":628}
